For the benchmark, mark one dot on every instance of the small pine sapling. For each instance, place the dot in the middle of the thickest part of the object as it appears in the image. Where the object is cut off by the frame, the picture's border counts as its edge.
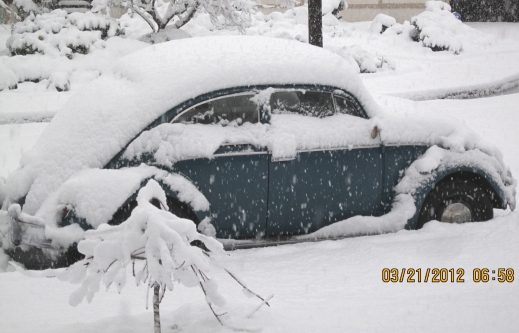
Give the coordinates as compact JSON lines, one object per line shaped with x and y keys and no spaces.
{"x":162,"y":241}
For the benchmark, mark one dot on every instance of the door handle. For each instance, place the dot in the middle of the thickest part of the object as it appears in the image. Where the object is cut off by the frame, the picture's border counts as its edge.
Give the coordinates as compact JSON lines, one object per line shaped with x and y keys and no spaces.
{"x":283,"y":159}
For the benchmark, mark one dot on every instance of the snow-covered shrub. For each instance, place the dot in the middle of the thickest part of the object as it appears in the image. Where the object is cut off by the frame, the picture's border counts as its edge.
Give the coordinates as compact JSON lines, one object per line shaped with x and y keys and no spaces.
{"x":160,"y":239}
{"x":434,"y":6}
{"x":60,"y":81}
{"x":7,"y":80}
{"x":437,"y":28}
{"x":60,"y":33}
{"x":366,"y":62}
{"x":25,"y":7}
{"x":381,"y":22}
{"x":333,"y":7}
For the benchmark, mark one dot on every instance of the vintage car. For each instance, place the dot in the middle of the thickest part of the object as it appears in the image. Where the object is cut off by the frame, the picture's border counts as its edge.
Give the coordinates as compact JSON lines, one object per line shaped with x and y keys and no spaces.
{"x":257,"y":140}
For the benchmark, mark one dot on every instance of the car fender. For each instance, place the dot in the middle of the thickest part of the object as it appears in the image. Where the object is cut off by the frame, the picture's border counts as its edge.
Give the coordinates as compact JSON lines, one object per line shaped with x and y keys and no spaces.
{"x":175,"y":185}
{"x":496,"y":187}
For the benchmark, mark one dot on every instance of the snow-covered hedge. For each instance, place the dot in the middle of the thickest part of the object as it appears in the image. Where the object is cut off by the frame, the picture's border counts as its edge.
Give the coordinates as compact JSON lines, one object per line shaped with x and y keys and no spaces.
{"x":381,"y":23}
{"x":438,"y":29}
{"x":61,"y":34}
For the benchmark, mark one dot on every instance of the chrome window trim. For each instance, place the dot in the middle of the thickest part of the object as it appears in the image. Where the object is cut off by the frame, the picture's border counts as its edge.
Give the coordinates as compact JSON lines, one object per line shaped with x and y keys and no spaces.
{"x":244,"y":153}
{"x":215,"y":99}
{"x":339,"y":148}
{"x":406,"y":144}
{"x":282,"y":159}
{"x":335,"y":108}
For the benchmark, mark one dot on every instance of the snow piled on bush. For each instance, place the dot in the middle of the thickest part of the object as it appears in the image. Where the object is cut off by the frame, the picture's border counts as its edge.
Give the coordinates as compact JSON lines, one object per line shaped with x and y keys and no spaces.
{"x":381,"y":23}
{"x":63,"y":46}
{"x":61,"y":34}
{"x":438,"y":29}
{"x":81,"y":69}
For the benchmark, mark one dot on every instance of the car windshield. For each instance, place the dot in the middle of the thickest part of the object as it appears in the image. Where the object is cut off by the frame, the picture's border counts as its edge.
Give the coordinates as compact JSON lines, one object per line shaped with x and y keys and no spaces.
{"x":236,"y":108}
{"x":310,"y":103}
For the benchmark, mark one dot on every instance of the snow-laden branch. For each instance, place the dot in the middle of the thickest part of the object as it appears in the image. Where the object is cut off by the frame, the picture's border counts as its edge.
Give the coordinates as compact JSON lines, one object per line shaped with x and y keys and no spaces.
{"x":222,"y":12}
{"x":160,"y":239}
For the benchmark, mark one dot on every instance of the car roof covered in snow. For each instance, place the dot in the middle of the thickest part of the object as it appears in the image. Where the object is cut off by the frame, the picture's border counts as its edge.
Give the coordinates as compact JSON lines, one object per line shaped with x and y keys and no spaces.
{"x":99,"y":121}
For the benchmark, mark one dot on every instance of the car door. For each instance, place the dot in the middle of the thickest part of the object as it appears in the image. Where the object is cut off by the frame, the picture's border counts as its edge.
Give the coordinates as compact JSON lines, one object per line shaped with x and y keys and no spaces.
{"x":235,"y":179}
{"x":322,"y":186}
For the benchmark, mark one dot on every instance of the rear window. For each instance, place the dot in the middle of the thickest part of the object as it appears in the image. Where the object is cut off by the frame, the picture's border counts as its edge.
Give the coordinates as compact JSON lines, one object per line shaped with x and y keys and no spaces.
{"x":310,"y":103}
{"x":236,"y":108}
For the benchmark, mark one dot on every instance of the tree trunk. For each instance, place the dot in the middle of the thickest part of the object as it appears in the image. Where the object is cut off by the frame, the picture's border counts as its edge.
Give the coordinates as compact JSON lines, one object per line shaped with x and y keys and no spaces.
{"x":156,"y":309}
{"x":315,"y":22}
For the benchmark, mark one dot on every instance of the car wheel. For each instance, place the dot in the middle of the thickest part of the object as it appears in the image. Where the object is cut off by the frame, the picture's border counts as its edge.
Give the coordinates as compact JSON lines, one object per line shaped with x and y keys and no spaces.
{"x":456,"y":201}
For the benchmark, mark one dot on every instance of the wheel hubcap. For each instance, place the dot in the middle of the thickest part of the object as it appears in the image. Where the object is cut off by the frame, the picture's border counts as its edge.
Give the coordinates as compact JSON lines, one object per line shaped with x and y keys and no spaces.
{"x":456,"y":213}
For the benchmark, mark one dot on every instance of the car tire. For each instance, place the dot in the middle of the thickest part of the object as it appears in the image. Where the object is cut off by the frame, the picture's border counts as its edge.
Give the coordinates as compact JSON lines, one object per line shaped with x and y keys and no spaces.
{"x":456,"y":201}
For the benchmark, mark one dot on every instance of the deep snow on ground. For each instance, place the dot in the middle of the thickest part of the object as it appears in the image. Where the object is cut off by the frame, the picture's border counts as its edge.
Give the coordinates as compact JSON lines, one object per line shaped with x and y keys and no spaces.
{"x":332,"y":286}
{"x":329,"y":286}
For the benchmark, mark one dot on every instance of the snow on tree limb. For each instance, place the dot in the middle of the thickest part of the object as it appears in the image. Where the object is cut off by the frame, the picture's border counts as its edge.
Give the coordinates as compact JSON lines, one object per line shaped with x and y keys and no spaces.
{"x":158,"y":14}
{"x":163,"y":241}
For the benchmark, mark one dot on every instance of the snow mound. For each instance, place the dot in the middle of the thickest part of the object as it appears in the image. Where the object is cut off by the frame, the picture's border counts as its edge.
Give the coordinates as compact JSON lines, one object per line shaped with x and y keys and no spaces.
{"x":329,"y":6}
{"x":381,"y":22}
{"x":164,"y":35}
{"x":363,"y":60}
{"x":438,"y":29}
{"x":435,"y":6}
{"x":61,"y":34}
{"x":7,"y":79}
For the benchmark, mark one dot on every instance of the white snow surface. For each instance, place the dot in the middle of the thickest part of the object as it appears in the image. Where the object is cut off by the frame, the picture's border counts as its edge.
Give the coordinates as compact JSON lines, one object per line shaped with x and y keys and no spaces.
{"x":314,"y":282}
{"x":286,"y":134}
{"x":88,"y":131}
{"x":380,"y":21}
{"x":96,"y":194}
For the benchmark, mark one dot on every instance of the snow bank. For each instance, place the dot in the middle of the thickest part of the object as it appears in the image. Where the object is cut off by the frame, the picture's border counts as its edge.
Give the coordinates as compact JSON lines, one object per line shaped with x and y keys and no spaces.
{"x":88,"y":131}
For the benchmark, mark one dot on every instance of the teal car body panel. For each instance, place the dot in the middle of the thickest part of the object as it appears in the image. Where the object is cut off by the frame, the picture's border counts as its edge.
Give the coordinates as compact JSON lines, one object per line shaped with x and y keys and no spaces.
{"x":253,"y":196}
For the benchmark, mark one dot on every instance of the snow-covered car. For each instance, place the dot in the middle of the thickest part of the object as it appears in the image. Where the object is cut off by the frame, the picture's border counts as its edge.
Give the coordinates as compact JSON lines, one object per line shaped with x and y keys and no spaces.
{"x":256,"y":140}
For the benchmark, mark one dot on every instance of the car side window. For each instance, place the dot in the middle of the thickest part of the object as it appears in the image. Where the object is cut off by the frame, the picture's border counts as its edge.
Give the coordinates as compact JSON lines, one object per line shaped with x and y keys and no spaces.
{"x":309,"y":103}
{"x":346,"y":106}
{"x":222,"y":111}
